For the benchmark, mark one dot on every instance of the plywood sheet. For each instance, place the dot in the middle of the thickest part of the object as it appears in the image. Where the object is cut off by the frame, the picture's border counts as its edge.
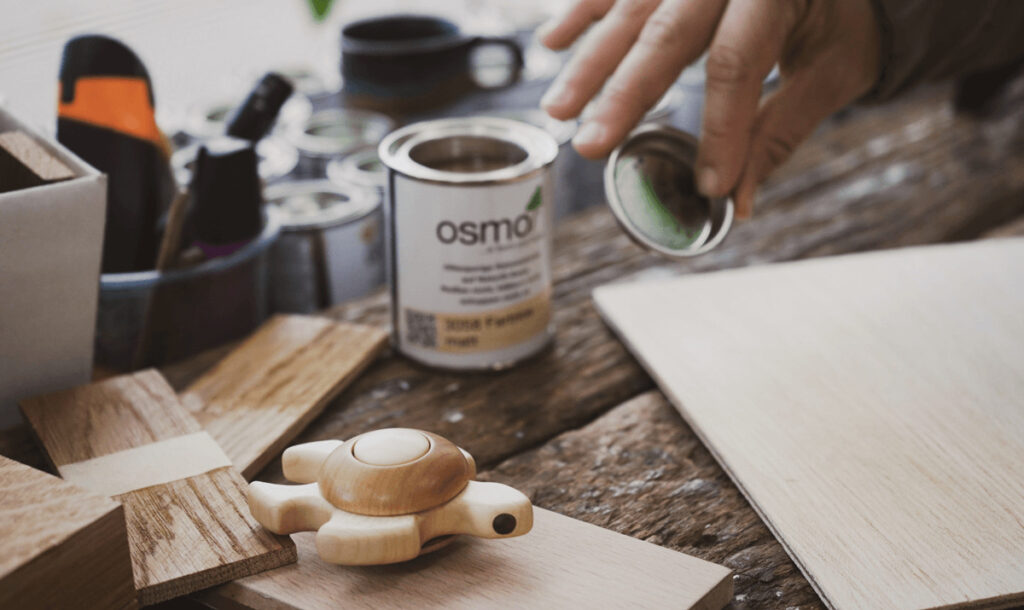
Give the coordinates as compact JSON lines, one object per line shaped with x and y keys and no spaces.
{"x":561,"y":563}
{"x":262,"y":394}
{"x":188,"y":526}
{"x":871,"y":407}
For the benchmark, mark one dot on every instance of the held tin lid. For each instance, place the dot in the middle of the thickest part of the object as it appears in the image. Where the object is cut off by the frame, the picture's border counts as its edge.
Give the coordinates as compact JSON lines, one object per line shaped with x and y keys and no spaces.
{"x":650,"y":186}
{"x":319,"y":204}
{"x":473,"y":150}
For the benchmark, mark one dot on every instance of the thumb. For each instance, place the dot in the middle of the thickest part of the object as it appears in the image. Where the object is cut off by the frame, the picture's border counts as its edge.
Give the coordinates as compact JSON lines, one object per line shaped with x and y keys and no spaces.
{"x":785,"y":119}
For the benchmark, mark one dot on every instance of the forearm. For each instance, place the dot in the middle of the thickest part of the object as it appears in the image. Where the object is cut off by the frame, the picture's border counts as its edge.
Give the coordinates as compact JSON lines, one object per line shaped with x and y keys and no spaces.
{"x":930,"y":39}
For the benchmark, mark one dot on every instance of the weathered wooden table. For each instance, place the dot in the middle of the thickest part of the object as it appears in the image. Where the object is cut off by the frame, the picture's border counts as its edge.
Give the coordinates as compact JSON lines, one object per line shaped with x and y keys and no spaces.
{"x":581,"y":428}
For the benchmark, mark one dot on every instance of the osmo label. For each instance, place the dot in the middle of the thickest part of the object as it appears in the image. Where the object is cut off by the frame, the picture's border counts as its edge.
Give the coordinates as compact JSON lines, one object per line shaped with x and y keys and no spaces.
{"x":471,"y":262}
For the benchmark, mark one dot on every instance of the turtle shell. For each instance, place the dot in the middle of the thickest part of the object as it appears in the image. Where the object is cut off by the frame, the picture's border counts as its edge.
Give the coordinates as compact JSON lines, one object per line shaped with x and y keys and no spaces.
{"x":395,"y":471}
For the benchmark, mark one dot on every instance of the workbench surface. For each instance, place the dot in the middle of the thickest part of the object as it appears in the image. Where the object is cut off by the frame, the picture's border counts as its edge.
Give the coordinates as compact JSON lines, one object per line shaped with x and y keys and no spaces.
{"x":581,"y":428}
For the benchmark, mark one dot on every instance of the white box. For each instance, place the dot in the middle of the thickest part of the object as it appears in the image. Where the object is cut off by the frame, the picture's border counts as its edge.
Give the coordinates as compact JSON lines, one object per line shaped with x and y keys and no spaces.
{"x":51,"y":241}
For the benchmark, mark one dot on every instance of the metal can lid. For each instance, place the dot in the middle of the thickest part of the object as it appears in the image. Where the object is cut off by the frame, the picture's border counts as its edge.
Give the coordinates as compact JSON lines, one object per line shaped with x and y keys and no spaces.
{"x":362,"y":168}
{"x":338,"y":131}
{"x":651,"y":188}
{"x":473,"y":150}
{"x":318,"y":204}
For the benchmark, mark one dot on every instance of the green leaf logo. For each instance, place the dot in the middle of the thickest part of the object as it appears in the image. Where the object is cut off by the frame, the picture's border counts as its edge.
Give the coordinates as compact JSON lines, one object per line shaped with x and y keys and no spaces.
{"x":535,"y":201}
{"x":320,"y":8}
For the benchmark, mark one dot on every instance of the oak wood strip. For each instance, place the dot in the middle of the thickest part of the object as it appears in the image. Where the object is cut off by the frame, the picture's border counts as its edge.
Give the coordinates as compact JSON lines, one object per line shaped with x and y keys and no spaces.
{"x":184,"y":535}
{"x":641,"y":471}
{"x":62,"y":546}
{"x":869,"y":406}
{"x":561,"y":563}
{"x":270,"y":387}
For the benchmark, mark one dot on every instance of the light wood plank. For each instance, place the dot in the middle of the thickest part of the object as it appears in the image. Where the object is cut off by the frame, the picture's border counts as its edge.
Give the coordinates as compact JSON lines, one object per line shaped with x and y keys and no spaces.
{"x":871,"y":407}
{"x":62,"y":546}
{"x":259,"y":397}
{"x":561,"y":563}
{"x":184,"y":535}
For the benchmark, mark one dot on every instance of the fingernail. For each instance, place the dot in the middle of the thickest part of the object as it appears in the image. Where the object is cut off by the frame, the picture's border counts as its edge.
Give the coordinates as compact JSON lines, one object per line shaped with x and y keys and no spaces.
{"x":707,"y":181}
{"x":555,"y":96}
{"x":589,"y":134}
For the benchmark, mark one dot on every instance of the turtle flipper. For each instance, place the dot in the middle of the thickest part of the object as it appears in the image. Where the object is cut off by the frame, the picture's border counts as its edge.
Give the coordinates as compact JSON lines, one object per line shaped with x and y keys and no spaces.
{"x":301,"y":463}
{"x":351,"y":539}
{"x":286,"y":509}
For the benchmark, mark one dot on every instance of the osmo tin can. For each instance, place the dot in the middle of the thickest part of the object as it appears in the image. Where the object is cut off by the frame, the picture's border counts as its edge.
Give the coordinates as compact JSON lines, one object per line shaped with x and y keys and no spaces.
{"x":650,"y":186}
{"x":334,"y":133}
{"x":331,"y":247}
{"x":469,"y":211}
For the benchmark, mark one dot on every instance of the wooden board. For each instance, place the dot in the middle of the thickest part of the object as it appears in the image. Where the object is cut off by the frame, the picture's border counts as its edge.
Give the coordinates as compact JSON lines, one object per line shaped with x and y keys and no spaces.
{"x":24,"y":163}
{"x":871,"y":407}
{"x":561,"y":563}
{"x":186,"y":533}
{"x":62,"y":546}
{"x":271,"y":386}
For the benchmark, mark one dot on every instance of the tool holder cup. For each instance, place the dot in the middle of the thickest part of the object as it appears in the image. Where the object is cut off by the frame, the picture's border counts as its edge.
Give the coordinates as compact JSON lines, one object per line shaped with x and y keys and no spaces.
{"x":386,"y":496}
{"x":153,"y":317}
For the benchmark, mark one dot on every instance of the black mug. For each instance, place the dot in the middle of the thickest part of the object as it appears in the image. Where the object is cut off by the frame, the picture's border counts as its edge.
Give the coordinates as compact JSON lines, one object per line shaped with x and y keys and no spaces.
{"x":412,"y":63}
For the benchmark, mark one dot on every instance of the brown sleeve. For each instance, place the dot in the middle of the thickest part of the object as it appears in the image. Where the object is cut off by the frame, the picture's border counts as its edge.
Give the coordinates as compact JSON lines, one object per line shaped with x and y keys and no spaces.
{"x":930,"y":39}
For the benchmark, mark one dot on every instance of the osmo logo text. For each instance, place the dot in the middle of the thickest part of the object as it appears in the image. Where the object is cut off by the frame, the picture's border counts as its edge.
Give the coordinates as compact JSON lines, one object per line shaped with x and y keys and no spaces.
{"x":484,"y":232}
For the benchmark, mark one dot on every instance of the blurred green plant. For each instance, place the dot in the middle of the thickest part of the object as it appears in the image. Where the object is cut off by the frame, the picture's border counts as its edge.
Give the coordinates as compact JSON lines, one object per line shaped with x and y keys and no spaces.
{"x":320,"y":8}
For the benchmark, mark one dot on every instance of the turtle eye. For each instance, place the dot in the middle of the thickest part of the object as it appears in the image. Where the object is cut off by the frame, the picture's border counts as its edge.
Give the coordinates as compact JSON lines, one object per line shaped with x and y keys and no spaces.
{"x":504,"y":524}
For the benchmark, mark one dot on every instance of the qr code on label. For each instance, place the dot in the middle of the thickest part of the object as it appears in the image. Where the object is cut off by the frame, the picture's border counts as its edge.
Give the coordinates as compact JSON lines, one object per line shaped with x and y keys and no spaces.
{"x":421,"y":328}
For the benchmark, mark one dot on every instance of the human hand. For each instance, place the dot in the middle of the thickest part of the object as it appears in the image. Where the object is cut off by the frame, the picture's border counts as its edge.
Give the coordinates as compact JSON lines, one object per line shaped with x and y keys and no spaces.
{"x":828,"y":52}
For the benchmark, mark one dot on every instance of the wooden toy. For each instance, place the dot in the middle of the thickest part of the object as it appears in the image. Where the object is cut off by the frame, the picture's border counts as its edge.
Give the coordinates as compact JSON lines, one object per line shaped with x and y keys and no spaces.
{"x":386,"y":496}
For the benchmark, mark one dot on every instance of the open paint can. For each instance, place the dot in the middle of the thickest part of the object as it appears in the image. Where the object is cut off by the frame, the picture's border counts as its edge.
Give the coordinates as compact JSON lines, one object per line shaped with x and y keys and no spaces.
{"x":470,"y":209}
{"x":333,"y":134}
{"x":361,"y":168}
{"x":331,"y":247}
{"x":276,"y":157}
{"x":651,"y":188}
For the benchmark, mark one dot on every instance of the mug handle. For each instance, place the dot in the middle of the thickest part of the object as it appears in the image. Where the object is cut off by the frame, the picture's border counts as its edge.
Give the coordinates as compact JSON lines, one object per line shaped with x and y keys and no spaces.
{"x":515,"y":50}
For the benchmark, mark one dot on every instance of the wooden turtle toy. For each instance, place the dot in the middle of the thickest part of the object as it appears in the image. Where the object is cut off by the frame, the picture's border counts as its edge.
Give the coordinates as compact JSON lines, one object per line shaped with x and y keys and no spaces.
{"x":386,"y":496}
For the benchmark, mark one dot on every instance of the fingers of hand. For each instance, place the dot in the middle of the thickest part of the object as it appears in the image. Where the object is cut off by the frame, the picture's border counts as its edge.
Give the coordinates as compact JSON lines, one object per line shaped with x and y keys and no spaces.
{"x":561,"y":31}
{"x":597,"y":57}
{"x":674,"y":35}
{"x":749,"y":41}
{"x":786,"y":118}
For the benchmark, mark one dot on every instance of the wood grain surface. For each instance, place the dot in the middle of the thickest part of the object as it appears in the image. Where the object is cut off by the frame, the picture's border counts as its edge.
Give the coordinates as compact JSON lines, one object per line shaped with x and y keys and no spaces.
{"x":24,"y":163}
{"x":270,"y":387}
{"x":184,"y":535}
{"x":956,"y":178}
{"x":562,"y":563}
{"x":869,"y":406}
{"x":62,"y":546}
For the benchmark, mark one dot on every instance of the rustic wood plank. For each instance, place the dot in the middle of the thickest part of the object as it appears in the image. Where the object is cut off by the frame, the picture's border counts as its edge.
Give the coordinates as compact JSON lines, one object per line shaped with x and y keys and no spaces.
{"x":910,"y":174}
{"x":62,"y":546}
{"x":561,"y":563}
{"x":869,"y":407}
{"x":255,"y":400}
{"x":185,"y":534}
{"x":641,"y":471}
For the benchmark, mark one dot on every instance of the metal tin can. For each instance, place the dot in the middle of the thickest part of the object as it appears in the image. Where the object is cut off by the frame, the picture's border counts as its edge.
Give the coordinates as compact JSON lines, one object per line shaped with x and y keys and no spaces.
{"x":361,"y":168}
{"x":331,"y":247}
{"x":209,"y":119}
{"x":332,"y":134}
{"x":650,"y":186}
{"x":469,"y":214}
{"x":277,"y":159}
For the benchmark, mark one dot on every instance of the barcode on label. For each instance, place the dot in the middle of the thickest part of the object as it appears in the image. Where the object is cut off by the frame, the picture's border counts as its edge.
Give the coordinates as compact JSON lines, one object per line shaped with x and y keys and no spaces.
{"x":421,"y":328}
